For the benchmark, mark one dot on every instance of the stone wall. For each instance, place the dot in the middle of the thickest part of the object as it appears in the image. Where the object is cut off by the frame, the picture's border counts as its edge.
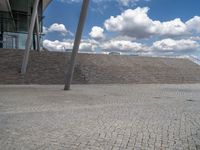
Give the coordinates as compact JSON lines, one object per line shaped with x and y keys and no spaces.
{"x":49,"y":68}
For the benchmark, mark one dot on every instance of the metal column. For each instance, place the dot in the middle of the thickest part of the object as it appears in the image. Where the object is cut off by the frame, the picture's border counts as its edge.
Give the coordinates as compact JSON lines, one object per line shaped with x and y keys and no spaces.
{"x":37,"y":33}
{"x":29,"y":38}
{"x":69,"y":74}
{"x":1,"y":39}
{"x":1,"y":32}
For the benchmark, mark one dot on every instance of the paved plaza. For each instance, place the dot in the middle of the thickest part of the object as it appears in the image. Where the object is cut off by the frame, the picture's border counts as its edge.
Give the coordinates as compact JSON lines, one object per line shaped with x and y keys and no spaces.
{"x":100,"y":117}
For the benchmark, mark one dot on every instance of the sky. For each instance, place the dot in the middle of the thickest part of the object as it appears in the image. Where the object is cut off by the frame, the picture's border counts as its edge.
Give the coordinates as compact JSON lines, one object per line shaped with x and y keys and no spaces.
{"x":137,"y":27}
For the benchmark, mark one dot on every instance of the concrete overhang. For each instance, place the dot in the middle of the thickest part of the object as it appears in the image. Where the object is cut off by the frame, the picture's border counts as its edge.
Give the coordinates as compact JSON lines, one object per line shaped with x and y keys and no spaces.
{"x":5,"y":5}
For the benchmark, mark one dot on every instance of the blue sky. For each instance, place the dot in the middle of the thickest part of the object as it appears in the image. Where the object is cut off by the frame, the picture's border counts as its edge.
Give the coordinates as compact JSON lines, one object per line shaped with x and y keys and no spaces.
{"x":145,"y":27}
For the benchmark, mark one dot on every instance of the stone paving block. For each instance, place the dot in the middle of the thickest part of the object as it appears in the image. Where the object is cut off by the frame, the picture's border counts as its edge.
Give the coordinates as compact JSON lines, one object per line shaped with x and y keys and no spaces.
{"x":131,"y":116}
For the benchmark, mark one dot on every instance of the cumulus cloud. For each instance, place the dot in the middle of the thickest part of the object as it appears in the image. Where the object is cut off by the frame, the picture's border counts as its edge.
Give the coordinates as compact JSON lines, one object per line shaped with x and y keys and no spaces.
{"x":97,"y":33}
{"x":173,"y":28}
{"x":136,"y":23}
{"x":165,"y":47}
{"x":123,"y":46}
{"x":195,"y":38}
{"x":194,"y":24}
{"x":126,"y":2}
{"x":44,"y":29}
{"x":56,"y":27}
{"x":132,"y":28}
{"x":172,"y":46}
{"x":85,"y":46}
{"x":92,"y":45}
{"x":57,"y":45}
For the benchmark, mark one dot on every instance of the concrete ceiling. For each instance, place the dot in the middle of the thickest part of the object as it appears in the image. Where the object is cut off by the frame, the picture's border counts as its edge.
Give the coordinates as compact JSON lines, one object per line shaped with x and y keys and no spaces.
{"x":4,"y":5}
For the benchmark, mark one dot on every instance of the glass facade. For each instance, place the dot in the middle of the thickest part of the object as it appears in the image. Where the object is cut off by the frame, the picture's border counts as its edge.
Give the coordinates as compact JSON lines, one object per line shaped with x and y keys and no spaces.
{"x":15,"y":21}
{"x":14,"y":40}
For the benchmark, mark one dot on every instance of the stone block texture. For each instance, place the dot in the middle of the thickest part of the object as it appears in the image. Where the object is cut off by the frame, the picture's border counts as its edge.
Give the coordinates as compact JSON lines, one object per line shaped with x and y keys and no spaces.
{"x":50,"y":68}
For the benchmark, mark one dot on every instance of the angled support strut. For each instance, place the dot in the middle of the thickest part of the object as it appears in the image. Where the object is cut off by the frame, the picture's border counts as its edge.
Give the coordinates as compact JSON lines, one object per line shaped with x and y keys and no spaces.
{"x":69,"y":74}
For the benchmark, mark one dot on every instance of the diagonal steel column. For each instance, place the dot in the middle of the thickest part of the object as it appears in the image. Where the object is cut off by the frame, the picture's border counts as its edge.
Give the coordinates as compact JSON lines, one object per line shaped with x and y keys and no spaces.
{"x":69,"y":74}
{"x":11,"y":14}
{"x":29,"y":37}
{"x":37,"y":33}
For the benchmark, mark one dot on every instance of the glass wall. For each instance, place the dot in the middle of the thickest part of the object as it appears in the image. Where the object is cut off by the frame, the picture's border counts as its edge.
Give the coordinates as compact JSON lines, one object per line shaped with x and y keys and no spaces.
{"x":14,"y":40}
{"x":15,"y":23}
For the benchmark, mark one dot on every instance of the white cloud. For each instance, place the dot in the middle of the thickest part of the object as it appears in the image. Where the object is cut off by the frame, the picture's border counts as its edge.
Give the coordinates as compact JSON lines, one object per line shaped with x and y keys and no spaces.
{"x":171,"y":45}
{"x":180,"y":38}
{"x":56,"y":27}
{"x":165,"y":47}
{"x":45,"y":30}
{"x":97,"y":33}
{"x":123,"y":46}
{"x":85,"y":46}
{"x":136,"y":23}
{"x":173,"y":28}
{"x":194,"y":24}
{"x":57,"y":45}
{"x":195,"y":38}
{"x":127,"y":2}
{"x":92,"y":46}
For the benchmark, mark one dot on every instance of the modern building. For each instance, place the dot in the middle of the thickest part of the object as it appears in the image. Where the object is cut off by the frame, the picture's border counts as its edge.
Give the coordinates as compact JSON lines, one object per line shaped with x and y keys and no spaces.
{"x":15,"y":19}
{"x":21,"y":28}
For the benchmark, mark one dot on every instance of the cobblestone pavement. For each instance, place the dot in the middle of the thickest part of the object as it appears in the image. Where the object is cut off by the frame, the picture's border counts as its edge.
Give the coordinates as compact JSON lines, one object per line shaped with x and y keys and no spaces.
{"x":100,"y":117}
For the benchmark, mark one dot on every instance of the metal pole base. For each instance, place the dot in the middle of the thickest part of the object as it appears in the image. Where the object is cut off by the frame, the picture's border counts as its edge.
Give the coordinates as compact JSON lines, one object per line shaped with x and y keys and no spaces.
{"x":67,"y":88}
